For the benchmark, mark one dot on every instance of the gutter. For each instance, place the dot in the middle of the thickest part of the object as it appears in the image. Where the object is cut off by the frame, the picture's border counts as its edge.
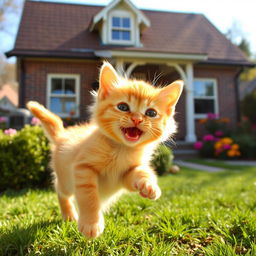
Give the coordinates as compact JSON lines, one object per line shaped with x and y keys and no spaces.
{"x":22,"y":86}
{"x":237,"y":98}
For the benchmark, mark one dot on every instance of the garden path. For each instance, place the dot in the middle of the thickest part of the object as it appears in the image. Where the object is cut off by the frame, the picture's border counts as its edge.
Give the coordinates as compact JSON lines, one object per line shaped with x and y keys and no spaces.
{"x":208,"y":168}
{"x":200,"y":167}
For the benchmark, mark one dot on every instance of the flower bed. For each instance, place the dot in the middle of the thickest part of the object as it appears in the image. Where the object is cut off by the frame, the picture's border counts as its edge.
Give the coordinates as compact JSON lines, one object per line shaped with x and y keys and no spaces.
{"x":220,"y":142}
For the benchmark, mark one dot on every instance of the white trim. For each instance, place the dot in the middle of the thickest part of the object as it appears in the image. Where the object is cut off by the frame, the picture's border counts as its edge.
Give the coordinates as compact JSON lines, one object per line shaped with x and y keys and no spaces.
{"x":214,"y":97}
{"x":150,"y":55}
{"x":190,"y":121}
{"x":76,"y":96}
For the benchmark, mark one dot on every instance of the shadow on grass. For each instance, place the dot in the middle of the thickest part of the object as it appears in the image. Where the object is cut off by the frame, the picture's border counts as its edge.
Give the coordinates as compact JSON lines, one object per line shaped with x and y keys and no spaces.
{"x":10,"y":193}
{"x":19,"y":241}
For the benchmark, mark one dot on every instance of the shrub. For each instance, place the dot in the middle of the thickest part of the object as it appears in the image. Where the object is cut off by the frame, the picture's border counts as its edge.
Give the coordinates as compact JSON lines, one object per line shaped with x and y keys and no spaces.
{"x":24,"y":159}
{"x":248,"y":106}
{"x":162,"y":159}
{"x":247,"y":143}
{"x":215,"y":125}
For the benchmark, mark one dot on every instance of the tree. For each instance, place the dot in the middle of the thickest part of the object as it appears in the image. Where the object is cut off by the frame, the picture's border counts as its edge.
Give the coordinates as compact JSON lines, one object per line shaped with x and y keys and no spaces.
{"x":7,"y":7}
{"x":9,"y":10}
{"x":245,"y":47}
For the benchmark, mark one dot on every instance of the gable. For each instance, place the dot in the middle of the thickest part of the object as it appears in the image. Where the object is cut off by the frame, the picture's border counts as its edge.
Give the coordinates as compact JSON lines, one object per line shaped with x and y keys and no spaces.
{"x":120,"y":23}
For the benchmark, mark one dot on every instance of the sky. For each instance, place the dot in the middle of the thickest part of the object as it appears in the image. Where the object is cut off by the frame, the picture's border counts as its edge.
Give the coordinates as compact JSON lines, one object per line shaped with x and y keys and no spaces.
{"x":223,"y":14}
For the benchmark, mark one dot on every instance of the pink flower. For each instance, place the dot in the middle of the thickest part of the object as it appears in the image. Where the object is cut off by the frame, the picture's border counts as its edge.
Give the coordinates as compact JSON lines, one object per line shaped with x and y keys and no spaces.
{"x":198,"y":145}
{"x":218,"y":151}
{"x":212,"y":116}
{"x":219,"y":133}
{"x":10,"y":131}
{"x":3,"y":119}
{"x":226,"y":146}
{"x":208,"y":137}
{"x":35,"y":121}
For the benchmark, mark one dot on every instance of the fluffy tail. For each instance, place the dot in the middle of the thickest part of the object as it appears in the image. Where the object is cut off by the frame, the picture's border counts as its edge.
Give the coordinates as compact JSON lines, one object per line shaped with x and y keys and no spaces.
{"x":51,"y":123}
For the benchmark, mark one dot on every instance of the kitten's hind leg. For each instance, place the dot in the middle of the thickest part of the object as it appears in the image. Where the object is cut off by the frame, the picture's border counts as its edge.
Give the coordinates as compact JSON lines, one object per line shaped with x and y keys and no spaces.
{"x":67,"y":208}
{"x":66,"y":202}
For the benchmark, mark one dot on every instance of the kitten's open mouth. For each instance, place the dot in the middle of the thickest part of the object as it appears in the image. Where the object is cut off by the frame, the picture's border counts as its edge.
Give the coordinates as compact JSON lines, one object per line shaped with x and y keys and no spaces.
{"x":131,"y":133}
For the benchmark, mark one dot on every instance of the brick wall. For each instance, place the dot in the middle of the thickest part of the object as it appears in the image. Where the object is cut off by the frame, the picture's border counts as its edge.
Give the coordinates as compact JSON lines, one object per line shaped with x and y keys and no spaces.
{"x":36,"y":79}
{"x":225,"y":77}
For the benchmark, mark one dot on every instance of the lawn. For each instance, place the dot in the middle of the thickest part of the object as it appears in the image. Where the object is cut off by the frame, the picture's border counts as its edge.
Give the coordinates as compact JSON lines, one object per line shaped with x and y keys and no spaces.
{"x":199,"y":213}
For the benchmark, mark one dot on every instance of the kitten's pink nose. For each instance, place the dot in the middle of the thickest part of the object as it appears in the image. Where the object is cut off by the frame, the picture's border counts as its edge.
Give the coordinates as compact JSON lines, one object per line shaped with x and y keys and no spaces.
{"x":137,"y":119}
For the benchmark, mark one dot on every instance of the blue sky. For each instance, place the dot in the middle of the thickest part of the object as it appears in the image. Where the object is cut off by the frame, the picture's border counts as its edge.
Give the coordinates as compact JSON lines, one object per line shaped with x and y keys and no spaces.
{"x":223,"y":14}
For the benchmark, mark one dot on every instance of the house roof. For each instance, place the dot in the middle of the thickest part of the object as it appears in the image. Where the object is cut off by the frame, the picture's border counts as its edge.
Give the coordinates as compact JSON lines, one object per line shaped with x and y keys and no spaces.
{"x":9,"y":92}
{"x":63,"y":30}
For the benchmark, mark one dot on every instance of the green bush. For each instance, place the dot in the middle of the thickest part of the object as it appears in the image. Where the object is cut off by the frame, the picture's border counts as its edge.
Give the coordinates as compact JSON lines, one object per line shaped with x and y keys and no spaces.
{"x":162,"y":159}
{"x":24,"y":159}
{"x":247,"y":143}
{"x":248,"y":106}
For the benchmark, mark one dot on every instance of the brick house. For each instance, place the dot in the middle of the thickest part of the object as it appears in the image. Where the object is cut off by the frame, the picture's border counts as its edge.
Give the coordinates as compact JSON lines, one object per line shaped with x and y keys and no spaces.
{"x":60,"y":47}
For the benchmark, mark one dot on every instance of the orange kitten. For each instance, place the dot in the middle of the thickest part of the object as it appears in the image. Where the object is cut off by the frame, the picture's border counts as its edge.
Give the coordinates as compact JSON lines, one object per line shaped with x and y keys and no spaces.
{"x":94,"y":162}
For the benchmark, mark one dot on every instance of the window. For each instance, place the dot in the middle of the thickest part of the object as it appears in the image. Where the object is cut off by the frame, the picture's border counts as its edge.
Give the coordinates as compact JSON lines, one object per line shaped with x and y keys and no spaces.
{"x":63,"y":94}
{"x":205,"y":97}
{"x":120,"y":28}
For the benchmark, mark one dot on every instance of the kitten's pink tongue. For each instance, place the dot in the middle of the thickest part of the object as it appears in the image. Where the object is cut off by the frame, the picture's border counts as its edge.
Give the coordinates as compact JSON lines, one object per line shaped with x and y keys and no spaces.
{"x":132,"y":133}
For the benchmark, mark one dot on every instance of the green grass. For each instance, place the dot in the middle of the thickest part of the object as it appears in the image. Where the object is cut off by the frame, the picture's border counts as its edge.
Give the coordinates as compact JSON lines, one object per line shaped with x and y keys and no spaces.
{"x":199,"y":213}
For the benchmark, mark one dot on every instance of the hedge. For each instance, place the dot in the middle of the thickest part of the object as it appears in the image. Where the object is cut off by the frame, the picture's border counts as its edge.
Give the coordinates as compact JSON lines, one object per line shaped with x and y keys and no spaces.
{"x":24,"y":159}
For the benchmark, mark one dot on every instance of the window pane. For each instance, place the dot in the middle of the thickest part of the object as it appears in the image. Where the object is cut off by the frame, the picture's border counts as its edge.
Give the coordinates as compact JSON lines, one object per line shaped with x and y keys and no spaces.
{"x":126,"y":35}
{"x":116,"y":34}
{"x":62,"y":105}
{"x":203,"y":88}
{"x":126,"y":23}
{"x":56,"y":86}
{"x":70,"y":86}
{"x":116,"y":22}
{"x":204,"y":106}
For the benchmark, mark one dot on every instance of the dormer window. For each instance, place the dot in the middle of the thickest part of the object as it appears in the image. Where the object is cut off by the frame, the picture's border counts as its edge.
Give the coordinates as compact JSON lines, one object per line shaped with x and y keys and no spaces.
{"x":121,"y":27}
{"x":120,"y":23}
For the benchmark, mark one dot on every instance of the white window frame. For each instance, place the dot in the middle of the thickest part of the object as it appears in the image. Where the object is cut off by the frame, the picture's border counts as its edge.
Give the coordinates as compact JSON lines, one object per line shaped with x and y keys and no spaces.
{"x":76,"y":96}
{"x":121,"y":14}
{"x":214,"y":97}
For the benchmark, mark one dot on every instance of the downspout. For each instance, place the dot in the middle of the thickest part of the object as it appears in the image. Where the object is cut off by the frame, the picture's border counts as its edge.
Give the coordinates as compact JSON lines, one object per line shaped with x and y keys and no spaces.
{"x":22,"y":85}
{"x":237,"y":98}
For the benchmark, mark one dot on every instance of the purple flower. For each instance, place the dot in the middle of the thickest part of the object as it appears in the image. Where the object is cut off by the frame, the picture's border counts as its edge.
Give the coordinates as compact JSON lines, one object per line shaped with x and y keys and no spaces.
{"x":219,"y":133}
{"x":198,"y":145}
{"x":35,"y":121}
{"x":226,"y":146}
{"x":212,"y":116}
{"x":10,"y":131}
{"x":3,"y":119}
{"x":208,"y":137}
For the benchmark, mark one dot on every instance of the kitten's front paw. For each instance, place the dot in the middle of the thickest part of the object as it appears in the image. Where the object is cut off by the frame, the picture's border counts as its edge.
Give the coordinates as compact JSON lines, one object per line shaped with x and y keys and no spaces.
{"x":91,"y":230}
{"x":148,"y":189}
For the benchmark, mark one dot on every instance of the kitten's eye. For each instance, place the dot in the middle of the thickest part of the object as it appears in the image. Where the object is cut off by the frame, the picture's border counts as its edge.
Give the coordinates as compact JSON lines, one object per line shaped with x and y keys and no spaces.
{"x":123,"y":107}
{"x":151,"y":112}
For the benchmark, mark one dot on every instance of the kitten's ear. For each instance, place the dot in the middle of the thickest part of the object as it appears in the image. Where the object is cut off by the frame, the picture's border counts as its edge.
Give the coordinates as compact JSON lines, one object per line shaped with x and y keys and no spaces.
{"x":108,"y":79}
{"x":171,"y":94}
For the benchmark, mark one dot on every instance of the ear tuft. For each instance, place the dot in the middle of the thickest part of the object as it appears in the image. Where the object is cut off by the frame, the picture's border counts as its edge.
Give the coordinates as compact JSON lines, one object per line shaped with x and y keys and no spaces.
{"x":108,"y":79}
{"x":171,"y":94}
